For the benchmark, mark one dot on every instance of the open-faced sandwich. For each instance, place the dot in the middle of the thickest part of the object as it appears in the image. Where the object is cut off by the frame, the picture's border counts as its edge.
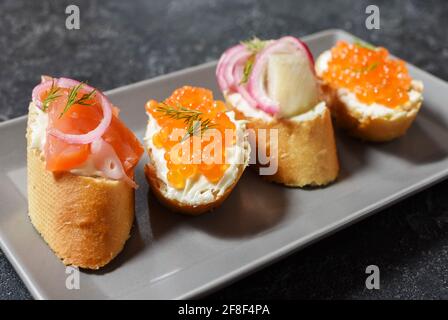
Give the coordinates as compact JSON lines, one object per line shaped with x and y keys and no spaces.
{"x":369,"y":93}
{"x":272,"y":85}
{"x":81,"y":159}
{"x":197,"y":150}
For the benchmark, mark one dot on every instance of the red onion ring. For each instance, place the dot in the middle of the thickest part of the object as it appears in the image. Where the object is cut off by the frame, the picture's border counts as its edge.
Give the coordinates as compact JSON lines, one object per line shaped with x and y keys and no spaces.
{"x":231,"y":65}
{"x":238,"y":57}
{"x":92,"y":135}
{"x":301,"y":46}
{"x":44,"y":78}
{"x":256,"y":85}
{"x":43,"y":86}
{"x":88,"y":137}
{"x":230,"y":70}
{"x":220,"y":67}
{"x":67,"y":83}
{"x":238,"y":76}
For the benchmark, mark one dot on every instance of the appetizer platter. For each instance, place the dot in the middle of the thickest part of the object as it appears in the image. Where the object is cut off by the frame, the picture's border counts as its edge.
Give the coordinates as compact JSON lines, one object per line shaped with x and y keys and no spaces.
{"x":98,"y":184}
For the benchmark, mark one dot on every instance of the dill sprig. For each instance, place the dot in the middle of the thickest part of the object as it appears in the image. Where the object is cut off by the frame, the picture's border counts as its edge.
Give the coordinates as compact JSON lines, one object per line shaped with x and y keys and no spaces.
{"x":72,"y":98}
{"x":178,"y":112}
{"x":198,"y":127}
{"x":372,"y":67}
{"x":51,"y":96}
{"x":254,"y":45}
{"x":192,"y":118}
{"x":364,"y":44}
{"x":368,"y":68}
{"x":248,"y":66}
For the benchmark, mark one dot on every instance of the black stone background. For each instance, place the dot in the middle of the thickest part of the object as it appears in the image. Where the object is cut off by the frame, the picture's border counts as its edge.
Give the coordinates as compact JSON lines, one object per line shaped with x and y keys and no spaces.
{"x":121,"y":42}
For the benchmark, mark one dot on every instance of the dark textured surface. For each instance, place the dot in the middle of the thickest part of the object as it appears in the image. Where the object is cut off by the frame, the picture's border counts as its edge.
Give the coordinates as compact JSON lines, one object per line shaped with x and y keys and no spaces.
{"x":121,"y":42}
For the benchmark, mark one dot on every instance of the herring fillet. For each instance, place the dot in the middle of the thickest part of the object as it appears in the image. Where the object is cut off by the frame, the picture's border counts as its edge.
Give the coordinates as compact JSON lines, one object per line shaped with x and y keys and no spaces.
{"x":291,"y":82}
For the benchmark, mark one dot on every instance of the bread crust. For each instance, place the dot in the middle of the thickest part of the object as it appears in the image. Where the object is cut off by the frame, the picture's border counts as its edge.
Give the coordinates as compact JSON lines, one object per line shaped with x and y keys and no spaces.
{"x":85,"y":220}
{"x":368,"y":128}
{"x":157,"y":186}
{"x":307,"y":153}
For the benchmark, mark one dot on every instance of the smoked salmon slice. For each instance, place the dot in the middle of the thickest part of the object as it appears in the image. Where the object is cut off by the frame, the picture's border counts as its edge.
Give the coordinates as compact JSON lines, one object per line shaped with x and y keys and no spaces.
{"x":80,"y":119}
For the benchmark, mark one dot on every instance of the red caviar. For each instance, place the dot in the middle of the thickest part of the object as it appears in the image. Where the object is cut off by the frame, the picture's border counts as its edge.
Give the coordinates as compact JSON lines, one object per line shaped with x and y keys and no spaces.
{"x":192,"y":100}
{"x":370,"y":73}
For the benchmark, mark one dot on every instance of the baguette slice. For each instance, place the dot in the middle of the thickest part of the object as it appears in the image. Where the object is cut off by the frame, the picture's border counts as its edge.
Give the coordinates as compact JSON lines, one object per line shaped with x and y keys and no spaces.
{"x":361,"y":122}
{"x":291,"y":128}
{"x":160,"y":190}
{"x":85,"y":220}
{"x":198,"y":195}
{"x":306,"y":154}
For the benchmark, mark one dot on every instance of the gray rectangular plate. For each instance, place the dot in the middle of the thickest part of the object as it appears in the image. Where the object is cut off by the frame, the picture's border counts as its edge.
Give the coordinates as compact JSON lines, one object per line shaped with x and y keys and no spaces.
{"x":170,"y":256}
